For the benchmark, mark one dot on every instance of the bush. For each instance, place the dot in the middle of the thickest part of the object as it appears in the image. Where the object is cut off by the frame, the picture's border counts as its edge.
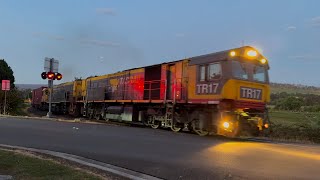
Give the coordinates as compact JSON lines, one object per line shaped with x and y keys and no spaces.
{"x":289,"y":103}
{"x":296,"y":132}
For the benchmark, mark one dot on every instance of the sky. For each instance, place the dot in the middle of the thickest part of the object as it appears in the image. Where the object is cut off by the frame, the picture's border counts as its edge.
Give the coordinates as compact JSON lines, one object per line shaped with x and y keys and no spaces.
{"x":94,"y":37}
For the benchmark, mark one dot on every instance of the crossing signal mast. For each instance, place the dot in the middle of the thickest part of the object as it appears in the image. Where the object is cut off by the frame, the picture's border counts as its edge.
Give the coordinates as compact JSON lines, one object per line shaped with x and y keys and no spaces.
{"x":51,"y":73}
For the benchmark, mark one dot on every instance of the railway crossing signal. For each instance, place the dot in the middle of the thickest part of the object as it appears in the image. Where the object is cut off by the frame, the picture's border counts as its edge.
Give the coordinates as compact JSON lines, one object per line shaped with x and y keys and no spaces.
{"x":58,"y":76}
{"x":51,"y":76}
{"x":51,"y":73}
{"x":44,"y":75}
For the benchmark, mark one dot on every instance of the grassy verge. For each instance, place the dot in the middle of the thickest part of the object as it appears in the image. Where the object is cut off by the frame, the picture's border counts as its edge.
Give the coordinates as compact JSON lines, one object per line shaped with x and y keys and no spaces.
{"x":21,"y":111}
{"x":295,"y":126}
{"x":22,"y":166}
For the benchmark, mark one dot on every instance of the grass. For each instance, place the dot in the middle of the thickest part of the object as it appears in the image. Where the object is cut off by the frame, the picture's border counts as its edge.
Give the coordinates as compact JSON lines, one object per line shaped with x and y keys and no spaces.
{"x":22,"y":110}
{"x":22,"y":166}
{"x":290,"y":118}
{"x":296,"y":126}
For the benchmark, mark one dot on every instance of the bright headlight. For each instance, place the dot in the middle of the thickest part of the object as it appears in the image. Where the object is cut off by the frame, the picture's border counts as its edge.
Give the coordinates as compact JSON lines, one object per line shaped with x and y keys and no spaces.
{"x":252,"y":53}
{"x":232,"y":53}
{"x":263,"y":61}
{"x":226,"y":125}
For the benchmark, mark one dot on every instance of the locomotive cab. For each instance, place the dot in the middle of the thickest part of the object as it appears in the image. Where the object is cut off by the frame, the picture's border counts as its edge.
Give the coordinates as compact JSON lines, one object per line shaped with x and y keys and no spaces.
{"x":233,"y":87}
{"x":246,"y":92}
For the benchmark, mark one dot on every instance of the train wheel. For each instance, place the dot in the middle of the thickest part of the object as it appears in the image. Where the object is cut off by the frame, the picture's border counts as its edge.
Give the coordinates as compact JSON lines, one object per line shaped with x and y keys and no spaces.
{"x":155,"y":124}
{"x":197,"y":127}
{"x":98,"y":117}
{"x":91,"y":116}
{"x":176,"y":127}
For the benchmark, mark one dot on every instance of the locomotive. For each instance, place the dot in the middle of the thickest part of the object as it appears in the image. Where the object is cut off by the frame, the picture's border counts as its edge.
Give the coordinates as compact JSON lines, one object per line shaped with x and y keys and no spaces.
{"x":224,"y":93}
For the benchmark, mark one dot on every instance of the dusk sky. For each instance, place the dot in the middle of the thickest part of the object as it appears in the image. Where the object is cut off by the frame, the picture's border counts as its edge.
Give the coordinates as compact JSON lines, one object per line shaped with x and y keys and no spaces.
{"x":94,"y":37}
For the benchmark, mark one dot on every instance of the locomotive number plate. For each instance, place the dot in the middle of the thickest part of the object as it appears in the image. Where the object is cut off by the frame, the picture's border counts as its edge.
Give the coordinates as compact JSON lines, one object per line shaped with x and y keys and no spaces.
{"x":250,"y":93}
{"x":211,"y":88}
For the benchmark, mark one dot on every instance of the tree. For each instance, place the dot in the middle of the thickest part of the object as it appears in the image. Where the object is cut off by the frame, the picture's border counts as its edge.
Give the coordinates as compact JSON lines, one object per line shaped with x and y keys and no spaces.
{"x":6,"y":72}
{"x":291,"y":103}
{"x":14,"y":99}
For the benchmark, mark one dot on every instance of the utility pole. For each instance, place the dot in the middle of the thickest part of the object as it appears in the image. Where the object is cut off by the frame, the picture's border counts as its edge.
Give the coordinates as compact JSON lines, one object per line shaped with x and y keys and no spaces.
{"x":5,"y":102}
{"x":50,"y":86}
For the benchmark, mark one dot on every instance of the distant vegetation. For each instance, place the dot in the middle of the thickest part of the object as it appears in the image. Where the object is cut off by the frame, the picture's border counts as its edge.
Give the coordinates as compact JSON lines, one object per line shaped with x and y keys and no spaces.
{"x":295,"y":112}
{"x":294,"y":88}
{"x":29,"y":86}
{"x":14,"y":99}
{"x":295,"y":97}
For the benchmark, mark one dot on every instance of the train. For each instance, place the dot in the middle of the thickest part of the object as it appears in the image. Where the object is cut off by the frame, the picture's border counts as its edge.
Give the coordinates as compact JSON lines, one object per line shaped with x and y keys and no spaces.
{"x":223,"y":93}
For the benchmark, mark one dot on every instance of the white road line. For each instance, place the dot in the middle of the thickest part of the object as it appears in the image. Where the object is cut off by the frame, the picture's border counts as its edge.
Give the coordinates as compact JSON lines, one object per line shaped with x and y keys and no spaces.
{"x":88,"y":162}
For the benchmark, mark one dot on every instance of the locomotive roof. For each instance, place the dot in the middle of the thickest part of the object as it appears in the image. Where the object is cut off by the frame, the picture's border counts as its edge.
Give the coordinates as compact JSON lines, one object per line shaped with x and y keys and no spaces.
{"x":63,"y":84}
{"x":219,"y":56}
{"x":212,"y":57}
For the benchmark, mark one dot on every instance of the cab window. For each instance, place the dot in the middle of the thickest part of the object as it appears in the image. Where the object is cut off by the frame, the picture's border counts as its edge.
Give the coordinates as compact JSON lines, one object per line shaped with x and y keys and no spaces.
{"x":259,"y":73}
{"x":202,"y":73}
{"x":239,"y":70}
{"x":214,"y":71}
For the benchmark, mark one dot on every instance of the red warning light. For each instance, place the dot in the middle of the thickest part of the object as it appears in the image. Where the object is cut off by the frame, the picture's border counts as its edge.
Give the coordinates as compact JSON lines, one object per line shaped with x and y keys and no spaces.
{"x":51,"y":75}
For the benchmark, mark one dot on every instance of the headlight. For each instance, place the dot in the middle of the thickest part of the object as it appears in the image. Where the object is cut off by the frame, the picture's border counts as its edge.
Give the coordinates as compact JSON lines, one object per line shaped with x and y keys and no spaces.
{"x":226,"y":125}
{"x":263,"y":61}
{"x":252,"y":53}
{"x":232,"y":53}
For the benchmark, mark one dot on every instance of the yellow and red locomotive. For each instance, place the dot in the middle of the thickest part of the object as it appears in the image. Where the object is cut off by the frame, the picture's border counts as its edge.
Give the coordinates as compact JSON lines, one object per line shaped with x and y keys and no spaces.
{"x":224,"y":92}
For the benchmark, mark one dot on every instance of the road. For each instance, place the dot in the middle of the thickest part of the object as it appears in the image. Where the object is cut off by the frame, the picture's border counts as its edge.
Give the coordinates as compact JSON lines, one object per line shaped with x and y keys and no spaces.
{"x":166,"y":154}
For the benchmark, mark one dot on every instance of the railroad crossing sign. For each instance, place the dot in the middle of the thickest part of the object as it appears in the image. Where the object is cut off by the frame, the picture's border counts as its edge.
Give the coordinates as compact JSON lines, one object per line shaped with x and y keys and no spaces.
{"x":55,"y":65}
{"x":5,"y":85}
{"x":51,"y":68}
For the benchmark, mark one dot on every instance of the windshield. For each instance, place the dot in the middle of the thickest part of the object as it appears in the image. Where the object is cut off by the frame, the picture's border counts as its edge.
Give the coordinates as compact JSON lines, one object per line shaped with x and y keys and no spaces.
{"x":259,"y":73}
{"x":249,"y":71}
{"x":239,"y":70}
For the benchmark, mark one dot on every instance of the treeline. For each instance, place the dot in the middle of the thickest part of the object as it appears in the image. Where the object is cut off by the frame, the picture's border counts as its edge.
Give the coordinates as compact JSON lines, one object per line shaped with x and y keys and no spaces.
{"x":294,"y":86}
{"x":295,"y":102}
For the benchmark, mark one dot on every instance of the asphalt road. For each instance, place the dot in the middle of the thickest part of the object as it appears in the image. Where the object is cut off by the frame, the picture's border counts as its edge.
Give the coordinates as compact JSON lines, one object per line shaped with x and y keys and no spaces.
{"x":166,"y":154}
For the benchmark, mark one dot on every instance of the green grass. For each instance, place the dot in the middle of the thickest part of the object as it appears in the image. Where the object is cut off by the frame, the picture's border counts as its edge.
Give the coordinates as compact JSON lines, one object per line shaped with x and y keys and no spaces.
{"x":26,"y":167}
{"x":22,"y":110}
{"x":291,"y":118}
{"x":297,"y":126}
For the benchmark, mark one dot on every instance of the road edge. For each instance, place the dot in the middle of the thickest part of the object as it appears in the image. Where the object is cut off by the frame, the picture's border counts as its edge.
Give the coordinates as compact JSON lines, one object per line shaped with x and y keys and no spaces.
{"x":75,"y":120}
{"x":107,"y":168}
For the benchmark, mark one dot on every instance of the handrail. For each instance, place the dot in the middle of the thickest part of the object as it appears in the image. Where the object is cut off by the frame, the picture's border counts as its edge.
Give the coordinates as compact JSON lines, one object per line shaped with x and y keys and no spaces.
{"x":133,"y":90}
